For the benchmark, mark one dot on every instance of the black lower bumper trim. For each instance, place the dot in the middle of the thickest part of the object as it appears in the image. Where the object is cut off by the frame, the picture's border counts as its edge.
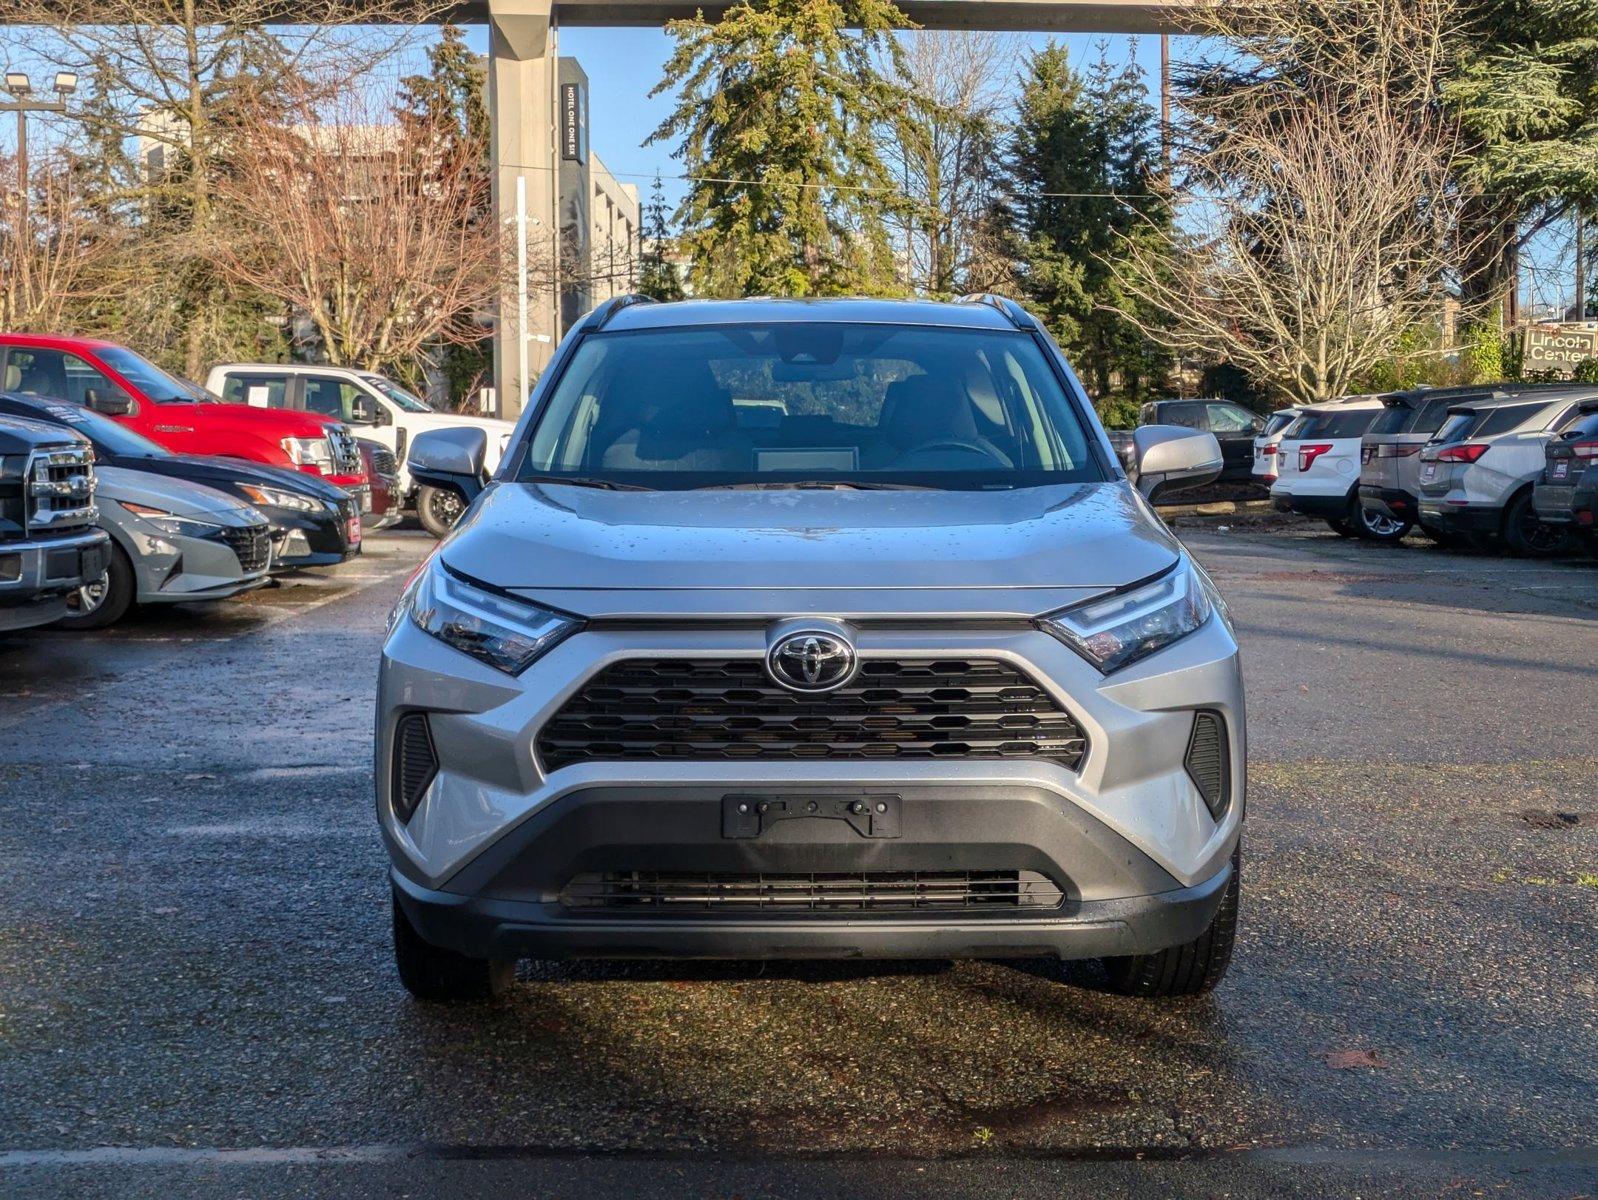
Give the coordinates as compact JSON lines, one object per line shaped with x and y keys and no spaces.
{"x":1394,"y":502}
{"x":1457,"y":518}
{"x":507,"y":902}
{"x":1314,"y":506}
{"x":504,"y":929}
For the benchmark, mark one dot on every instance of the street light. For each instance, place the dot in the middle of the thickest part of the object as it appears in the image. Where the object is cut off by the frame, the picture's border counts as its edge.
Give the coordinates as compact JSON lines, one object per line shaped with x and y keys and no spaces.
{"x":20,"y":86}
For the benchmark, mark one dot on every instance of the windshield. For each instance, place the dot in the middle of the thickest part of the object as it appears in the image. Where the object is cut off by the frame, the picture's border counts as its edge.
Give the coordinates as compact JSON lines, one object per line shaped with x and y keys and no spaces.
{"x":404,"y":399}
{"x":156,"y":384}
{"x":789,"y":405}
{"x":109,"y":437}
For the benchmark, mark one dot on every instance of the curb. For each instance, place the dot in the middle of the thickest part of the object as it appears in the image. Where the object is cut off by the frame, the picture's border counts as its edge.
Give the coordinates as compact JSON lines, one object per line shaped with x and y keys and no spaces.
{"x":1216,"y":508}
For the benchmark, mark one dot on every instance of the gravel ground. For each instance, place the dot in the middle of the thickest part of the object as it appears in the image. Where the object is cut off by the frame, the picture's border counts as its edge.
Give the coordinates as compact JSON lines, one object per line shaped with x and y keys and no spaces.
{"x":196,"y":995}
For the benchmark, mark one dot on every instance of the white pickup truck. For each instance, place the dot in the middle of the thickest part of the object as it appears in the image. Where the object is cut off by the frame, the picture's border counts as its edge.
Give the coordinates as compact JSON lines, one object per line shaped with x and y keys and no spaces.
{"x":373,"y":405}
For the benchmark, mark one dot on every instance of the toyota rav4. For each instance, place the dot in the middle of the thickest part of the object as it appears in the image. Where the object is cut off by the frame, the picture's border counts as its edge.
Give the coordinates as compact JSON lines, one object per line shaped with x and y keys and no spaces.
{"x":812,"y":629}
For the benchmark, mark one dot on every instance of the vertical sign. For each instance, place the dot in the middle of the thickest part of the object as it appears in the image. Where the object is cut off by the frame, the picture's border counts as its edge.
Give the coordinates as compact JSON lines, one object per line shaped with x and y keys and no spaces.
{"x":573,"y":123}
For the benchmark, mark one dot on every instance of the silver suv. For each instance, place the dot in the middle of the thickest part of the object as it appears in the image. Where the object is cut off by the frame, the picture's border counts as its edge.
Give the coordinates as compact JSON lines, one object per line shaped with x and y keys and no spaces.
{"x":1478,"y":472}
{"x":812,"y":629}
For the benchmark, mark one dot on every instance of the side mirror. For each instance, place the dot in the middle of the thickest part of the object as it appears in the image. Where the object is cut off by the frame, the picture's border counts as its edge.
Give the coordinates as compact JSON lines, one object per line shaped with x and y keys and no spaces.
{"x":112,"y":404}
{"x":451,"y":459}
{"x":1171,"y":458}
{"x":363,"y":411}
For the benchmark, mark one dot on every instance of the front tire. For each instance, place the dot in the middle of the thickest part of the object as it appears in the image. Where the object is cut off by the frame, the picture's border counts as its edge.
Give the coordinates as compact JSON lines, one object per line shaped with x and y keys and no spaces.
{"x":106,"y":601}
{"x":438,"y":509}
{"x":432,"y":973}
{"x":1187,"y":970}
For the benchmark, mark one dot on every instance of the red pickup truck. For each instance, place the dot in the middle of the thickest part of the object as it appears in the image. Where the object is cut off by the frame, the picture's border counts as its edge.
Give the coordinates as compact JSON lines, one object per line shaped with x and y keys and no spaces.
{"x":181,"y":416}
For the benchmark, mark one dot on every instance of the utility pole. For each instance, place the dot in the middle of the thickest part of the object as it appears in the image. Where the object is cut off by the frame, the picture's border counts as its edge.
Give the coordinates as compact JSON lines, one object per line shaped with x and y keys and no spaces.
{"x":21,"y":87}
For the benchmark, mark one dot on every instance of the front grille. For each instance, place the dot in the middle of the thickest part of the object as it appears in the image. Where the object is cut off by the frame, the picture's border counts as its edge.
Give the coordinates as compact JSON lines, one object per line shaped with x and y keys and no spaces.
{"x":252,"y":544}
{"x":415,"y":764}
{"x":383,"y":461}
{"x":60,"y":490}
{"x":346,"y":451}
{"x":1208,"y":763}
{"x":680,"y":891}
{"x":708,"y":709}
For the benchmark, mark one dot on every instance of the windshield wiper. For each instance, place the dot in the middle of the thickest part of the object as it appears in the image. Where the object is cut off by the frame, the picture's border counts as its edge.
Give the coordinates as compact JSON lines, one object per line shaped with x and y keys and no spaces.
{"x":609,"y":485}
{"x":773,"y":485}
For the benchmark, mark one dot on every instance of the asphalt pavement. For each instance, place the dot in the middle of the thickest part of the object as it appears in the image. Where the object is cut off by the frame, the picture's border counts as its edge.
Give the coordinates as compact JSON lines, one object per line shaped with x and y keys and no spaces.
{"x":196,"y":994}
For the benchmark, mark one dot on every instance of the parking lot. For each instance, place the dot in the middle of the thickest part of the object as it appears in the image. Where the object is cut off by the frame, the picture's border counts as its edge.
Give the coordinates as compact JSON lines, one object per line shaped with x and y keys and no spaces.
{"x":197,"y":996}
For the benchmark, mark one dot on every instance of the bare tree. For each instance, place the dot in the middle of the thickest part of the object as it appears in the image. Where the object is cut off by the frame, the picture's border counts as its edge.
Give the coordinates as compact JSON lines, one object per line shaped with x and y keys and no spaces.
{"x":53,"y":260}
{"x":944,"y":149}
{"x":374,"y":228}
{"x":175,"y":74}
{"x":1320,"y":222}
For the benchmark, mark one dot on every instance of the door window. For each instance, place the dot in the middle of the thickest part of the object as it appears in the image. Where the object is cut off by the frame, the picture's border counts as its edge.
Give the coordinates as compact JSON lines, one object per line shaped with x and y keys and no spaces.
{"x":1229,"y":418}
{"x":258,"y":391}
{"x":329,"y":397}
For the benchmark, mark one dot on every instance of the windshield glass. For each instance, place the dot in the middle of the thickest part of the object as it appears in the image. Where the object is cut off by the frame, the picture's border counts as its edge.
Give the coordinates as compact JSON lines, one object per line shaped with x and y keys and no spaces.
{"x":402,"y":398}
{"x":150,"y":379}
{"x":109,"y":437}
{"x":1331,"y":424}
{"x":821,"y":404}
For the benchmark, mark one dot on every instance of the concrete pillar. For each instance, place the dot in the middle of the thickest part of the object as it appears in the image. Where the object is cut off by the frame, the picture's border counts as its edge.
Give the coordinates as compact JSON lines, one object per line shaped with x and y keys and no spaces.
{"x":522,"y":77}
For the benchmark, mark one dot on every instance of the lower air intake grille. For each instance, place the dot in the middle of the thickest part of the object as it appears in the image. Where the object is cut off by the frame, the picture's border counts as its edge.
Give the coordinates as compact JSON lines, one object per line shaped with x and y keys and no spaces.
{"x":662,"y":891}
{"x":252,"y":544}
{"x":415,"y":764}
{"x":718,"y":709}
{"x":1208,"y":762}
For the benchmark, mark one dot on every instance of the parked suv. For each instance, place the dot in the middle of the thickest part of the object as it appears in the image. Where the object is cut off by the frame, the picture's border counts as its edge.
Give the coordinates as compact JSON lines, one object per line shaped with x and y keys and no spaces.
{"x":375,"y":405}
{"x":49,"y":545}
{"x":794,"y":629}
{"x":1389,"y":452}
{"x":1478,"y":472}
{"x":171,"y":412}
{"x":313,"y":523}
{"x":1268,"y":443}
{"x":1234,"y":427}
{"x":1567,"y":493}
{"x":1318,"y":469}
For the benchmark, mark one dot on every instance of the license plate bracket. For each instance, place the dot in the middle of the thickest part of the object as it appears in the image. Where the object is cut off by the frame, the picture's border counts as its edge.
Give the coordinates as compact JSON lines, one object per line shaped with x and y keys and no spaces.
{"x":872,"y":815}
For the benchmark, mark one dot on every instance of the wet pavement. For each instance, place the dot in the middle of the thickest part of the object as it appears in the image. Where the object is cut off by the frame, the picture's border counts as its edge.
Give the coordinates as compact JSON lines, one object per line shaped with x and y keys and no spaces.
{"x":196,"y":996}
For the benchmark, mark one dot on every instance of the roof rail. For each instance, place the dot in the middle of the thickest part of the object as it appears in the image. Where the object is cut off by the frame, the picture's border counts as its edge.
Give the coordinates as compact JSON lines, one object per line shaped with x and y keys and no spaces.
{"x":601,"y":316}
{"x":1013,"y":312}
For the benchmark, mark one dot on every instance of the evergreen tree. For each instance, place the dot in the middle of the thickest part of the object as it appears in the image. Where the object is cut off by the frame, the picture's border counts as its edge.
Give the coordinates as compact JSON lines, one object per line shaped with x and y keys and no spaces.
{"x":779,"y":103}
{"x":1080,"y":179}
{"x":657,"y":277}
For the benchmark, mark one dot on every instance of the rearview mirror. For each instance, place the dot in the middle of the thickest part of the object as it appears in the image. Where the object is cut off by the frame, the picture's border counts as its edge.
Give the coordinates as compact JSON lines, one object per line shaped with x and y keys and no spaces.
{"x":1171,"y":458}
{"x":110,"y":404}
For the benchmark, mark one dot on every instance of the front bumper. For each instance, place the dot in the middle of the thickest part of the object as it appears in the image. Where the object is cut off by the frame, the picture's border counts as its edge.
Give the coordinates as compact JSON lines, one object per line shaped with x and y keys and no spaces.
{"x":37,"y":577}
{"x":1126,"y":835}
{"x":304,"y":540}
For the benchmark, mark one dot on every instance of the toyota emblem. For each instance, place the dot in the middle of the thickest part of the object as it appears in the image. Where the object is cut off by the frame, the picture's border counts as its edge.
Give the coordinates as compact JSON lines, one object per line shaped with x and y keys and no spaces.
{"x":812,"y":661}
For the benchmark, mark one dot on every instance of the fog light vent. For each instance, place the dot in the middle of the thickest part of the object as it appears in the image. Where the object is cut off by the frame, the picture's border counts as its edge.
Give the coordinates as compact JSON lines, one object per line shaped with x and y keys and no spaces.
{"x":415,"y":764}
{"x":1208,"y":762}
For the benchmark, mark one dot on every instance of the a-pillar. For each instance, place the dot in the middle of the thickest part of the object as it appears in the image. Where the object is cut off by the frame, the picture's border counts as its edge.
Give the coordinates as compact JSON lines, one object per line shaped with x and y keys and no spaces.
{"x":522,"y":77}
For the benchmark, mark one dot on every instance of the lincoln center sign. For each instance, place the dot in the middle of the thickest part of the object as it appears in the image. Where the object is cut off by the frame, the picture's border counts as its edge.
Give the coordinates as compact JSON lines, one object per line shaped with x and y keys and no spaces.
{"x":1559,"y":348}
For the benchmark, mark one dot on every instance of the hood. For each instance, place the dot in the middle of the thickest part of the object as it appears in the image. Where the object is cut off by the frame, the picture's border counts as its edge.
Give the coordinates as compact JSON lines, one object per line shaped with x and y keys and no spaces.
{"x":438,"y":420}
{"x":273,"y":423}
{"x":215,"y":469}
{"x":1026,"y":551}
{"x":177,"y":496}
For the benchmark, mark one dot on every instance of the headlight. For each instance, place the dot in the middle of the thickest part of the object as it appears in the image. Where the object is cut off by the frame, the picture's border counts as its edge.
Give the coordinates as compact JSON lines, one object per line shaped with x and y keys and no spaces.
{"x":316,"y":453}
{"x":171,"y":524}
{"x":1114,"y":631}
{"x":277,"y":498}
{"x":506,"y":634}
